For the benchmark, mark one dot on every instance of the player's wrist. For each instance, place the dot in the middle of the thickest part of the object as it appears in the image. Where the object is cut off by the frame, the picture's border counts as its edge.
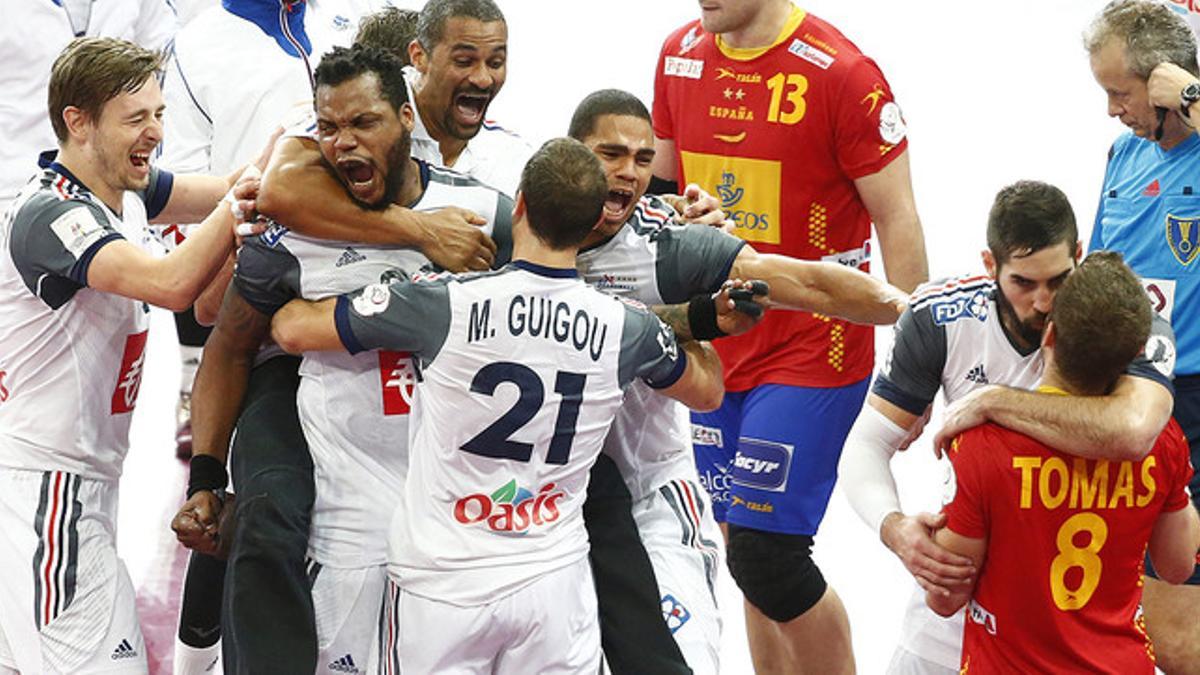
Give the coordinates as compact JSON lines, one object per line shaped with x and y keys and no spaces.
{"x":887,"y":528}
{"x":207,"y":473}
{"x":702,"y":318}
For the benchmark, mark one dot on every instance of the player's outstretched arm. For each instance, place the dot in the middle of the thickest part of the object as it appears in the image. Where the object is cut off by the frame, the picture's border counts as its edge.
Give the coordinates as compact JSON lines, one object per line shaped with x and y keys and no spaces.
{"x":1121,"y":425}
{"x":948,"y":601}
{"x":702,"y":386}
{"x":888,"y":197}
{"x":304,"y":326}
{"x":1174,"y":544}
{"x":822,"y":287}
{"x":865,"y":475}
{"x":173,"y":281}
{"x":298,"y":191}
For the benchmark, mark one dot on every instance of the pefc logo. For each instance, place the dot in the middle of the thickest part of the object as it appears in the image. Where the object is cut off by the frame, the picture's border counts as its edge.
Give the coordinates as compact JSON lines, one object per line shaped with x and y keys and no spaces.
{"x":510,"y":509}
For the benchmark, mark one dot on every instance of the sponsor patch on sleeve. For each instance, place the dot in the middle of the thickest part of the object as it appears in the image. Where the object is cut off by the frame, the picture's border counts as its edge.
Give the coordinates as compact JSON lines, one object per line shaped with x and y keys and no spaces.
{"x":77,"y":229}
{"x":811,"y":54}
{"x":675,"y":66}
{"x":891,"y":123}
{"x":373,"y":300}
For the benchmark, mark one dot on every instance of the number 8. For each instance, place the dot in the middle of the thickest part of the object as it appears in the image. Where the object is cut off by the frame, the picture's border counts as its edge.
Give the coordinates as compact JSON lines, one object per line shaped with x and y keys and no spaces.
{"x":1086,"y":558}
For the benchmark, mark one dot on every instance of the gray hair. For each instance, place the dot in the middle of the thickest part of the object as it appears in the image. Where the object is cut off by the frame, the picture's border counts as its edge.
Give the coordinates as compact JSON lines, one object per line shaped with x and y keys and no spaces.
{"x":1151,"y":31}
{"x":431,"y":24}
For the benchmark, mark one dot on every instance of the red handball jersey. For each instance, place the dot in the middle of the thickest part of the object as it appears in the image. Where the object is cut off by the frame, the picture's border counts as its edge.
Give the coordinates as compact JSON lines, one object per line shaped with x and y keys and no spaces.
{"x":1061,"y":584}
{"x":780,"y":134}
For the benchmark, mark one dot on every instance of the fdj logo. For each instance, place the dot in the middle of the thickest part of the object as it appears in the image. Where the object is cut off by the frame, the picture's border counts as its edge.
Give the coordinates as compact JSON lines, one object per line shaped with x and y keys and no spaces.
{"x":975,"y":305}
{"x":730,"y":196}
{"x":762,"y":465}
{"x":511,"y":508}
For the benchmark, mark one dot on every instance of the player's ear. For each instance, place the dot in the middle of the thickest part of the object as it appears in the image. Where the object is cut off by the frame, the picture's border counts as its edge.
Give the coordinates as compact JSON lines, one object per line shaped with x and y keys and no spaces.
{"x":1078,"y":251}
{"x":1049,"y":335}
{"x":76,"y":120}
{"x":989,"y":262}
{"x":518,"y":207}
{"x":417,"y":56}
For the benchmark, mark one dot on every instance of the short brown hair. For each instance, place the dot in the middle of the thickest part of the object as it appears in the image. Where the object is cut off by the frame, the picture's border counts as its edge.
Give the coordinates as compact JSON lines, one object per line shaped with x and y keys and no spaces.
{"x":90,"y":72}
{"x":1029,"y":216}
{"x":564,"y":188}
{"x":391,"y":28}
{"x":1101,"y":321}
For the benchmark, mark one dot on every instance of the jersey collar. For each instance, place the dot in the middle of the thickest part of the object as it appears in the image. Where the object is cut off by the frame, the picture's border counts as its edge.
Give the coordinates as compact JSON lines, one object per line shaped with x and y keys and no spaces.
{"x":542,"y":270}
{"x":277,"y":19}
{"x":49,"y":160}
{"x":1047,"y":389}
{"x":795,"y":18}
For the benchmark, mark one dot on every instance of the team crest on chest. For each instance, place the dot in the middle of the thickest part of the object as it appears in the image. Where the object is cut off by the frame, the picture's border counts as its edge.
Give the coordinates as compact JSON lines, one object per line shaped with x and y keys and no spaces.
{"x":1181,"y":237}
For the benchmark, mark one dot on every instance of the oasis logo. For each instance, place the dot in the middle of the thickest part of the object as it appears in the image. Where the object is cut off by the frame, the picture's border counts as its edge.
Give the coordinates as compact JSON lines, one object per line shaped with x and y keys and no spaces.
{"x":762,"y":465}
{"x":511,"y":508}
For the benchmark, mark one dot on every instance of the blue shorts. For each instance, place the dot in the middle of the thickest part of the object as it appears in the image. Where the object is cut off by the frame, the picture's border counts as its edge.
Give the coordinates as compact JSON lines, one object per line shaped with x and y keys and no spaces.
{"x":1187,"y":413}
{"x":768,"y":456}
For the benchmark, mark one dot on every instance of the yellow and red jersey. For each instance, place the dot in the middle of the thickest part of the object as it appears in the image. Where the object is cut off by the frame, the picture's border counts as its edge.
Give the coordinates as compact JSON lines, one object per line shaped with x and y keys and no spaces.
{"x":1061,"y":584}
{"x":780,"y":134}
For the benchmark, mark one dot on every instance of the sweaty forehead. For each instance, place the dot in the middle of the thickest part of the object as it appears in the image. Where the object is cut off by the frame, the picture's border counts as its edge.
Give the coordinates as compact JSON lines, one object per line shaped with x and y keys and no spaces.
{"x":352,"y":97}
{"x":629,"y":131}
{"x":463,"y":32}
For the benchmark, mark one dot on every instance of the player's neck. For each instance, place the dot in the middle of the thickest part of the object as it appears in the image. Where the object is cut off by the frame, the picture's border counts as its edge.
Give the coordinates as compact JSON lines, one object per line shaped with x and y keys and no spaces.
{"x":1174,"y":132}
{"x":527,"y":246}
{"x":449,"y":146}
{"x":412,"y":189}
{"x":87,"y":171}
{"x":763,"y":29}
{"x":1052,"y":378}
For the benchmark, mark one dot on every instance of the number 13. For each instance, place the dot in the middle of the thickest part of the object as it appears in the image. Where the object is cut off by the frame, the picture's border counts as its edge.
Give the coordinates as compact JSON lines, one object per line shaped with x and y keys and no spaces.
{"x":796,"y":86}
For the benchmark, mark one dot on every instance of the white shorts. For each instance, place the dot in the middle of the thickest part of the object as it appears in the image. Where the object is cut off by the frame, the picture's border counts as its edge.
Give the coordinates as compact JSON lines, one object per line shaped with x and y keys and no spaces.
{"x":684,"y":545}
{"x":348,"y":603}
{"x":549,"y":627}
{"x":66,"y":602}
{"x":929,"y":644}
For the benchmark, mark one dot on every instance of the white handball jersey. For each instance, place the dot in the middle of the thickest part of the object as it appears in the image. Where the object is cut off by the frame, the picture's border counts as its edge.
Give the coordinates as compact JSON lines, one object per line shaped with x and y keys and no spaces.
{"x":496,"y":156}
{"x":522,"y":371}
{"x":355,"y":409}
{"x":654,"y":262}
{"x":951,"y":338}
{"x":70,"y":357}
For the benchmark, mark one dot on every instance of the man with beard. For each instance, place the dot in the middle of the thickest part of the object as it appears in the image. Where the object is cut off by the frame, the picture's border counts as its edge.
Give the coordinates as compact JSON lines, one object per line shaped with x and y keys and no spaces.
{"x":353,"y":410}
{"x":636,"y":252}
{"x":959,"y":335}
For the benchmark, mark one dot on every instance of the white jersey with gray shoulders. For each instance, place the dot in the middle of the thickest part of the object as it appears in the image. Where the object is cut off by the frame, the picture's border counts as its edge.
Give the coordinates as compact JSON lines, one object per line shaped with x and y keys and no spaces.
{"x":656,"y":262}
{"x":70,"y":356}
{"x":522,"y":371}
{"x":951,"y":338}
{"x":354,"y":409}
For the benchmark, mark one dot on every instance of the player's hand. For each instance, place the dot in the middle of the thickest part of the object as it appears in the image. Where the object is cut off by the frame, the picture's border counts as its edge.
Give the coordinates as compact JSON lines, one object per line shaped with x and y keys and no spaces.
{"x":968,"y":411}
{"x":918,"y":428}
{"x":935,"y":569}
{"x":740,"y":305}
{"x":454,"y":240}
{"x":242,"y":203}
{"x":699,"y":207}
{"x":1166,"y":83}
{"x":196,"y":525}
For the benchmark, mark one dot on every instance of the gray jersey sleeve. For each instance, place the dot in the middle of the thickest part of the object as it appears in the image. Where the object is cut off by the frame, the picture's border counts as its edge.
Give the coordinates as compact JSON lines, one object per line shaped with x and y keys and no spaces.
{"x":693,"y":259}
{"x":410,"y":316}
{"x":1157,"y":360}
{"x":53,"y":242}
{"x":912,"y":373}
{"x":157,"y":192}
{"x":648,"y":350}
{"x":502,"y":230}
{"x":267,"y":276}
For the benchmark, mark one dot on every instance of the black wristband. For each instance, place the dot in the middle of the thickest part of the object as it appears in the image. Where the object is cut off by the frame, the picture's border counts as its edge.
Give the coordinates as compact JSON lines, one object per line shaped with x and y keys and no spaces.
{"x":208,"y":473}
{"x":702,"y":318}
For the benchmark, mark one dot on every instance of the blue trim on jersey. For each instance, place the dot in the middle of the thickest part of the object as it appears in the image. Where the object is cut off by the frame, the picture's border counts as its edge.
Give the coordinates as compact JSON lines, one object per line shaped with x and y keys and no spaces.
{"x":542,"y":270}
{"x":676,"y":373}
{"x":267,"y":15}
{"x":922,"y":300}
{"x":188,"y":88}
{"x":162,"y":193}
{"x":341,"y":319}
{"x":888,"y":391}
{"x":79,"y":270}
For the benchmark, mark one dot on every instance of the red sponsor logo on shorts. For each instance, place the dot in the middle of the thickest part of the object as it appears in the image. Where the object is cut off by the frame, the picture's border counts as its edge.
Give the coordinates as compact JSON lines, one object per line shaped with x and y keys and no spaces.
{"x":3,"y":389}
{"x":129,"y":382}
{"x":397,"y":379}
{"x":510,"y":508}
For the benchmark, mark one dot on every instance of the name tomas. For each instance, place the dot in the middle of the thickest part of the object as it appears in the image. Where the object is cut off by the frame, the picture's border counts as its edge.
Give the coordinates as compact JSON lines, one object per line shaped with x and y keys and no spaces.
{"x":1081,"y":487}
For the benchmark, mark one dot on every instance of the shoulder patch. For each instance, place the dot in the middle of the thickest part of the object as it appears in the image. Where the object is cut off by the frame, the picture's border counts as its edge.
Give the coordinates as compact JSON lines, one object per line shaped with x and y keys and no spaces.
{"x":372,"y":300}
{"x":1160,"y":352}
{"x":77,"y":229}
{"x":675,"y":66}
{"x":810,"y":53}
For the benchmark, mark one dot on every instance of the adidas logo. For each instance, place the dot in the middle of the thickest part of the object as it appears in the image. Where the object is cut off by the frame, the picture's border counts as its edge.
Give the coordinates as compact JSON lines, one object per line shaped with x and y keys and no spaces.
{"x":1152,"y":190}
{"x":349,"y":256}
{"x":977,"y":375}
{"x":344,"y":665}
{"x":124,"y":651}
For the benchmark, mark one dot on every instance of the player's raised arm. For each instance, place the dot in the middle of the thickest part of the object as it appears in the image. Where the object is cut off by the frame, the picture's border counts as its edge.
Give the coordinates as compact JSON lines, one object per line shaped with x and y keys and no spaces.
{"x":298,"y":190}
{"x":823,"y":287}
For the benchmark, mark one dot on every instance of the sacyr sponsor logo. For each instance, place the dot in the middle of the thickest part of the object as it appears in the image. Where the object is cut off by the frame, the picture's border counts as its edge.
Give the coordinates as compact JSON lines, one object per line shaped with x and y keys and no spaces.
{"x":511,"y":508}
{"x":762,"y":465}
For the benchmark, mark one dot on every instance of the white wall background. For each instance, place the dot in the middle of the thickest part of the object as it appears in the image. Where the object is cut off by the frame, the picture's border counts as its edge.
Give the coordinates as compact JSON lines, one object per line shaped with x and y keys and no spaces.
{"x":992,"y":92}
